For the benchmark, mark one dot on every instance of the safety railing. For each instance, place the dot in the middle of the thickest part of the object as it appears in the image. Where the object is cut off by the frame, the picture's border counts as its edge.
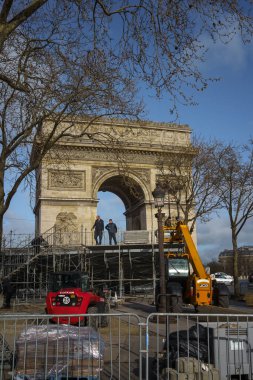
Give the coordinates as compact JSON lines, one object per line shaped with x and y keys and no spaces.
{"x":85,"y":237}
{"x":54,"y":237}
{"x":160,"y":346}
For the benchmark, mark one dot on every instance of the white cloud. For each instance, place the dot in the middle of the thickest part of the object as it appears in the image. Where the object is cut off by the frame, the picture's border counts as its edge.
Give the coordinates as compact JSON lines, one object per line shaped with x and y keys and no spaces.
{"x":215,"y":236}
{"x":233,"y":55}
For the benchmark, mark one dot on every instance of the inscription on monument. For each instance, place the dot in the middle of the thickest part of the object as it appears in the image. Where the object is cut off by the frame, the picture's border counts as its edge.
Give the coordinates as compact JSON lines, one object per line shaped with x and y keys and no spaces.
{"x":147,"y":133}
{"x":66,"y":179}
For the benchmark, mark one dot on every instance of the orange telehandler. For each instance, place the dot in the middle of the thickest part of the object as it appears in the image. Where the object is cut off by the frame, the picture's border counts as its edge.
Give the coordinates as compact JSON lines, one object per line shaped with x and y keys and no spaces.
{"x":186,"y":278}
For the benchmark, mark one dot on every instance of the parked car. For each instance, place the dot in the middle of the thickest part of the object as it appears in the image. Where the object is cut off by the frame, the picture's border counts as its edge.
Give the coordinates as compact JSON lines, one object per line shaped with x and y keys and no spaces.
{"x":221,"y":277}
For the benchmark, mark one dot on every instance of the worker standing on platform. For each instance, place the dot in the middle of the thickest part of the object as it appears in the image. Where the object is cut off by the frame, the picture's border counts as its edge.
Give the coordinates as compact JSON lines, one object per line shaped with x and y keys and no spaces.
{"x":98,"y":230}
{"x":112,"y":230}
{"x":8,"y":290}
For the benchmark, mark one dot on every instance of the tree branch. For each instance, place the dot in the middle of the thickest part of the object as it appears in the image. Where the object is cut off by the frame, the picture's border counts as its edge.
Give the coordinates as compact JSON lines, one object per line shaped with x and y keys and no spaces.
{"x":13,"y":85}
{"x":5,"y":10}
{"x":6,"y":28}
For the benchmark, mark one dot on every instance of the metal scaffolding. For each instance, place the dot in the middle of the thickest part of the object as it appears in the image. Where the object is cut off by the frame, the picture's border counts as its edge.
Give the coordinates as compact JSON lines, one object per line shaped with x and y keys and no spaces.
{"x":128,"y":269}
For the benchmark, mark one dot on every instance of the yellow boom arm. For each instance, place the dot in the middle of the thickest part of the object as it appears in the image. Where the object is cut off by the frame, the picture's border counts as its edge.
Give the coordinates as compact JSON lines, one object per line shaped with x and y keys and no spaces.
{"x":194,"y":258}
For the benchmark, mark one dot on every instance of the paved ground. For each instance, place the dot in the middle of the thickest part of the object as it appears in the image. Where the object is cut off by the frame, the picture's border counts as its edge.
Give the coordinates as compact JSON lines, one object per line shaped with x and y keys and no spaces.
{"x":122,"y":338}
{"x":141,"y":306}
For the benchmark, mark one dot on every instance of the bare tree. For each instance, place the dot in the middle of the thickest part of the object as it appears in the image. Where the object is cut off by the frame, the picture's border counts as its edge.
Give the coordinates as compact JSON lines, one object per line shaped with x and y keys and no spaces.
{"x":158,"y":42}
{"x":189,"y":181}
{"x":51,"y":99}
{"x":215,"y":266}
{"x":72,"y":58}
{"x":234,"y":166}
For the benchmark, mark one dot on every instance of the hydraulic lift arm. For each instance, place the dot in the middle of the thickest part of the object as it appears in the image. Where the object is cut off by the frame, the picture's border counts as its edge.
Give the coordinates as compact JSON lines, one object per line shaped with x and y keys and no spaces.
{"x":194,"y":257}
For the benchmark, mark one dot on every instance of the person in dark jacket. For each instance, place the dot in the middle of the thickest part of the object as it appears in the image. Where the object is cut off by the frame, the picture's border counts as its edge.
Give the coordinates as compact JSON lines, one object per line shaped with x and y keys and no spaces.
{"x":112,"y":230}
{"x":38,"y":242}
{"x":98,"y":230}
{"x":8,"y":291}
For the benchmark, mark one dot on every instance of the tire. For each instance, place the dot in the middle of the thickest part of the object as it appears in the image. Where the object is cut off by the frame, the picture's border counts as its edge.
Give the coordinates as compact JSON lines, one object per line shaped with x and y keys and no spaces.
{"x":221,"y":295}
{"x":82,"y":322}
{"x":176,"y":304}
{"x":104,"y":320}
{"x":92,"y":321}
{"x":223,"y":301}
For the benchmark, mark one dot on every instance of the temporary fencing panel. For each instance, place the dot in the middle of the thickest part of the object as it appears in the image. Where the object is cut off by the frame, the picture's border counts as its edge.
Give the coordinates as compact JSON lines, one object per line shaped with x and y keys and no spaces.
{"x":32,"y":348}
{"x":199,"y":346}
{"x":163,"y":346}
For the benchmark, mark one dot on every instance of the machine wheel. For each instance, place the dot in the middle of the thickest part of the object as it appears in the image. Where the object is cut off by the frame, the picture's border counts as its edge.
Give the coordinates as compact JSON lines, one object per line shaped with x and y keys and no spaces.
{"x":82,"y":322}
{"x":104,"y":320}
{"x":223,"y":301}
{"x":176,"y":304}
{"x":92,"y":321}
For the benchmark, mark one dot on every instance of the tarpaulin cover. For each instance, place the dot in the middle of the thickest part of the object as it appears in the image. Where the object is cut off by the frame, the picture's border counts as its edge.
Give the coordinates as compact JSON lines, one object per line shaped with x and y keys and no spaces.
{"x":46,"y":350}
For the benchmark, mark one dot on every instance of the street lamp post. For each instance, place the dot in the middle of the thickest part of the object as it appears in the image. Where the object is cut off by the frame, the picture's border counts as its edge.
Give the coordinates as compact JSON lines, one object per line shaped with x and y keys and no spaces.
{"x":158,"y":195}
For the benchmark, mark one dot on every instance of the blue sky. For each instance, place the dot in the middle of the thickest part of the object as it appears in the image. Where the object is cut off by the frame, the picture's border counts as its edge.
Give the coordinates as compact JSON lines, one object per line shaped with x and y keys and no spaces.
{"x":224,"y":111}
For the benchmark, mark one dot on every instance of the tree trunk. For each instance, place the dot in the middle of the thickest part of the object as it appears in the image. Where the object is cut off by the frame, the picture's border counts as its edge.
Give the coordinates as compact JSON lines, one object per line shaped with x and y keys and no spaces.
{"x":1,"y":204}
{"x":1,"y":233}
{"x":235,"y":263}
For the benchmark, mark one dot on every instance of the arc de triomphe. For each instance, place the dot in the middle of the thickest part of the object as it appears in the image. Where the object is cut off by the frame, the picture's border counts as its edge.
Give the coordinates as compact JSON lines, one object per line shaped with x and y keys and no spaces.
{"x":121,"y":158}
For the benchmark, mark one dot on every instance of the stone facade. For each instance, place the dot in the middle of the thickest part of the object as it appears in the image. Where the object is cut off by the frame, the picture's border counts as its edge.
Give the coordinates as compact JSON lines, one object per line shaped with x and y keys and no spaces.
{"x":122,"y":159}
{"x":245,"y":260}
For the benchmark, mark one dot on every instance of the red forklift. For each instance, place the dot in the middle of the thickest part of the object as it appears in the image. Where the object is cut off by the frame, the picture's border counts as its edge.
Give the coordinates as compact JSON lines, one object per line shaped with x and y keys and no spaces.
{"x":70,"y":293}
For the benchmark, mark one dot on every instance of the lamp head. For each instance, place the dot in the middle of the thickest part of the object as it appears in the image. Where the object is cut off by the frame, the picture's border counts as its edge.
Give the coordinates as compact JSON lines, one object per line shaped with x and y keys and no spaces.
{"x":158,"y":195}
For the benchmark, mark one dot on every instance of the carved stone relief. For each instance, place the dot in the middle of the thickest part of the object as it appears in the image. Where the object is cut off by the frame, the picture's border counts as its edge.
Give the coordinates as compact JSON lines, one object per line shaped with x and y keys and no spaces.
{"x":66,"y":179}
{"x":98,"y":172}
{"x":90,"y":154}
{"x":144,"y":174}
{"x":66,"y":229}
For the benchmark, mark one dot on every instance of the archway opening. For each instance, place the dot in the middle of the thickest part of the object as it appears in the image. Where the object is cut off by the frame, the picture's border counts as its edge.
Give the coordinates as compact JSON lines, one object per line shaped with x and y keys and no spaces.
{"x":132,"y":196}
{"x":110,"y":206}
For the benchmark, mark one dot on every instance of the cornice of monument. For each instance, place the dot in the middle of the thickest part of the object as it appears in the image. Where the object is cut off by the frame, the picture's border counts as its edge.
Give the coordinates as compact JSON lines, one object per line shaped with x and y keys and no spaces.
{"x":142,"y":150}
{"x":121,"y":135}
{"x":127,"y":122}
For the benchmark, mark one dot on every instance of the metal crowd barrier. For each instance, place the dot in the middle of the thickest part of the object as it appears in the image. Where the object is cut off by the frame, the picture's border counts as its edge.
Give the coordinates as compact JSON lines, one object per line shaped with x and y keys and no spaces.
{"x":32,"y":348}
{"x":199,"y":346}
{"x":161,"y":346}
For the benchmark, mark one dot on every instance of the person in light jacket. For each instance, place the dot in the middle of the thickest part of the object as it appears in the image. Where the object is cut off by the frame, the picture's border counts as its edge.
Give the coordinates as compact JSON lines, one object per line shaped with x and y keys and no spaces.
{"x":112,"y":230}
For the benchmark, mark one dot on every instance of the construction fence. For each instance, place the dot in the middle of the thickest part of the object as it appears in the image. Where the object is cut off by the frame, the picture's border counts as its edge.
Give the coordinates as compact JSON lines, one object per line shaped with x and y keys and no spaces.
{"x":160,"y":346}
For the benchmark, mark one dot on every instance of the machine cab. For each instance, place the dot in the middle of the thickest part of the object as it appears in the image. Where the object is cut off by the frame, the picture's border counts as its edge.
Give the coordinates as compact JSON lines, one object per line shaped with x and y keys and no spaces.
{"x":178,"y":267}
{"x":65,"y":280}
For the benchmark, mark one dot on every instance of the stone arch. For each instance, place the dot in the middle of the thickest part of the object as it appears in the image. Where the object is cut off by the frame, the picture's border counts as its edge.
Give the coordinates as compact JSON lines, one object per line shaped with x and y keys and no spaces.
{"x":132,"y":190}
{"x":69,"y":178}
{"x":114,"y":173}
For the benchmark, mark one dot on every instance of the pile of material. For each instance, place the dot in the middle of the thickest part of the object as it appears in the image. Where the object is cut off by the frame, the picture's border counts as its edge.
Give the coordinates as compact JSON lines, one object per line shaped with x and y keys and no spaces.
{"x":55,"y":351}
{"x":190,"y":369}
